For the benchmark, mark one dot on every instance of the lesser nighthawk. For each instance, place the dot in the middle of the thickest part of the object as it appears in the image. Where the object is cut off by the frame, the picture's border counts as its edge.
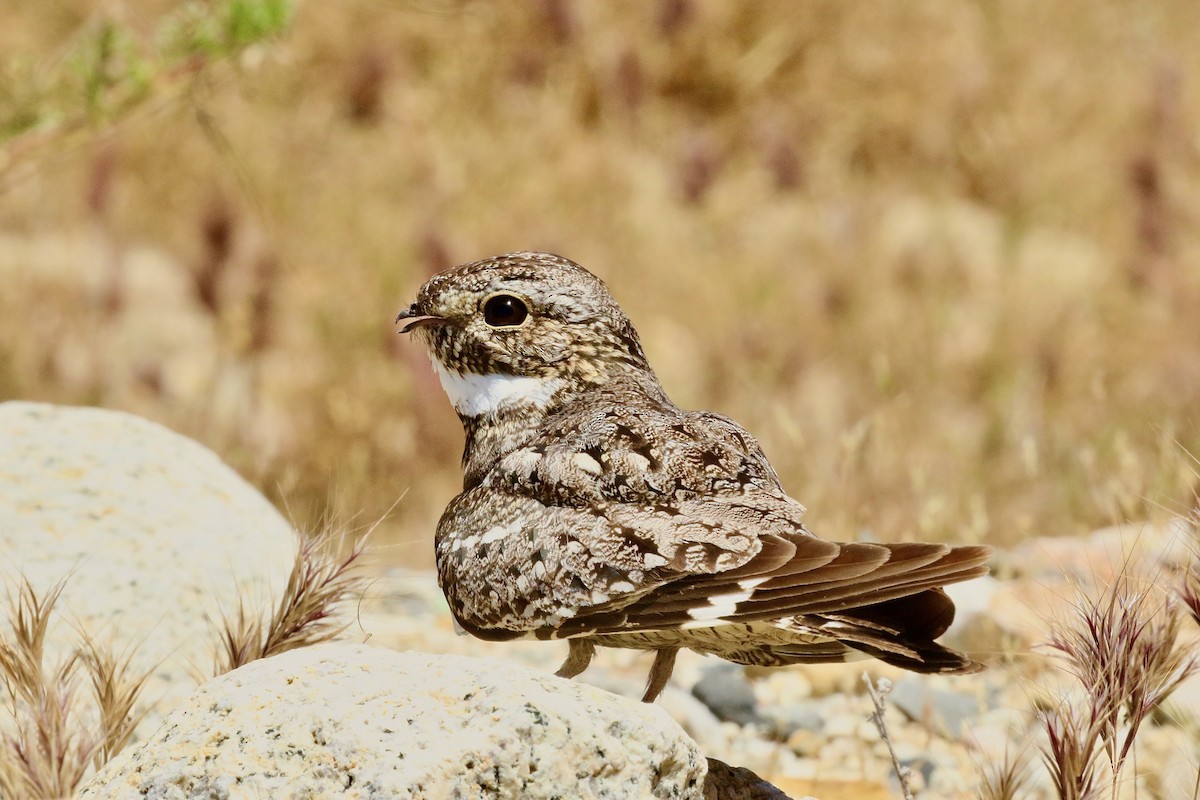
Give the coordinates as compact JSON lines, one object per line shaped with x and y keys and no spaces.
{"x":595,"y":510}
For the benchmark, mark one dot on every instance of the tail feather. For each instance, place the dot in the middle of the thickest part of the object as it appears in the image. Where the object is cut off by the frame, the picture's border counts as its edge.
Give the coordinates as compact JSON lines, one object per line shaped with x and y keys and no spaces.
{"x":898,"y":632}
{"x":749,"y":600}
{"x":840,"y":599}
{"x":901,"y":559}
{"x":823,"y":599}
{"x":816,"y":568}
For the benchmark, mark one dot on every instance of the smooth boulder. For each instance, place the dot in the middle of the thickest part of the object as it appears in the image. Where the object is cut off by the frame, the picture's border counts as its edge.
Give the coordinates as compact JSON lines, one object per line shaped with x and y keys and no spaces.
{"x":154,"y":535}
{"x":353,"y":721}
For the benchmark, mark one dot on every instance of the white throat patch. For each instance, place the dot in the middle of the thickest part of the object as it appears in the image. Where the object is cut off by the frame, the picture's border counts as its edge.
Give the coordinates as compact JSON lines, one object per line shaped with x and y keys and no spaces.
{"x":474,"y":395}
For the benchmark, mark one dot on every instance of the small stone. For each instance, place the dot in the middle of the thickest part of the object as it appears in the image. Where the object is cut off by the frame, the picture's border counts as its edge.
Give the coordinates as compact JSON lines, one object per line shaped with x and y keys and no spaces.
{"x":840,"y":751}
{"x":724,"y":689}
{"x":782,"y":687}
{"x":828,"y":679}
{"x":867,"y":731}
{"x":949,"y":712}
{"x":843,"y":725}
{"x":786,"y":720}
{"x":757,"y":753}
{"x":805,"y":742}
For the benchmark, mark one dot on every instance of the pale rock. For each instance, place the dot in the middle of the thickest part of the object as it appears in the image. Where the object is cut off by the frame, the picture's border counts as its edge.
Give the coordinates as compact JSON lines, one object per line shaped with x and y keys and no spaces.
{"x":1053,"y":575}
{"x":1024,"y":609}
{"x":787,"y":720}
{"x":353,"y":721}
{"x":972,"y":605}
{"x":723,"y":688}
{"x":696,"y":720}
{"x":951,"y":713}
{"x":1141,"y":549}
{"x":867,"y":731}
{"x":755,"y":753}
{"x":152,"y":533}
{"x":842,"y":725}
{"x":839,"y":753}
{"x":783,"y":686}
{"x":805,"y":741}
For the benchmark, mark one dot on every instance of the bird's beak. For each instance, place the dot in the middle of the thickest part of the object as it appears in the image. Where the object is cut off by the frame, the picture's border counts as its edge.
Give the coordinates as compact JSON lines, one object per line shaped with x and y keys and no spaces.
{"x":411,"y":318}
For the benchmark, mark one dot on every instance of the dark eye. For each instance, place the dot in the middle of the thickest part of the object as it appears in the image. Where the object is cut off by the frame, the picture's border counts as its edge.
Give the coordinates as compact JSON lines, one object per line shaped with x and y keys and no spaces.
{"x":504,"y":310}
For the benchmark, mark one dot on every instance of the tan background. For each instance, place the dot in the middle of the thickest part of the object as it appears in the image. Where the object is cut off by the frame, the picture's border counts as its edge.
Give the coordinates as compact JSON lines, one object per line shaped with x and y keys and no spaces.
{"x":942,"y":258}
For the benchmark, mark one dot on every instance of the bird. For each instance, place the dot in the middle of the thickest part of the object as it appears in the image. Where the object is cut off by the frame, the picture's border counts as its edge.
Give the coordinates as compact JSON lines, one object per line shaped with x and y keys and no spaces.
{"x":595,"y":510}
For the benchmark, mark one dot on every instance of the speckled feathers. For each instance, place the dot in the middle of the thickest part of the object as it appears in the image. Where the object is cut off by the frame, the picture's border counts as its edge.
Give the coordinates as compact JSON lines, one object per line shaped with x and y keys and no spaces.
{"x":594,"y":509}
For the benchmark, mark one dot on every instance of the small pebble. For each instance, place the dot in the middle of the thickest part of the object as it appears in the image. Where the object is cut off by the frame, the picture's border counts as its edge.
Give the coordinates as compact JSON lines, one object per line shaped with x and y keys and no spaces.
{"x":841,"y":726}
{"x":868,"y":732}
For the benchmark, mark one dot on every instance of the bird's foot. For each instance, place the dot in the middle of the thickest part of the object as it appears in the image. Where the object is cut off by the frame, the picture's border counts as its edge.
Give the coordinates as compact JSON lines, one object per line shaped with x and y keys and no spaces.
{"x":660,"y":673}
{"x":578,"y":657}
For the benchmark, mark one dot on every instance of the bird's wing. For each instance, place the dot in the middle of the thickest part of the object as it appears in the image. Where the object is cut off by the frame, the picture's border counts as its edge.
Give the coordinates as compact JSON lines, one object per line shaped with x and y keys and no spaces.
{"x":510,"y":563}
{"x":597,"y":513}
{"x":653,"y":520}
{"x":791,"y":574}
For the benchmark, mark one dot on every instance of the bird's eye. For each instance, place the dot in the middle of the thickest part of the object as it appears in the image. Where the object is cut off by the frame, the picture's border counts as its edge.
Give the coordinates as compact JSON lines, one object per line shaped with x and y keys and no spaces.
{"x":504,"y":311}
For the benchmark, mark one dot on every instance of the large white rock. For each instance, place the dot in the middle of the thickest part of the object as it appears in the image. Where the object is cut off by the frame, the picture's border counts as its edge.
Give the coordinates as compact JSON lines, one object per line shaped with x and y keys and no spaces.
{"x":351,"y":721}
{"x":153,"y":533}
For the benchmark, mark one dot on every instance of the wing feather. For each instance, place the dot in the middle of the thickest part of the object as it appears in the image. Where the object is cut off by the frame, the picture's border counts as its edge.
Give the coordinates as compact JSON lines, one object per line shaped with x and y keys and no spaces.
{"x":653,"y":519}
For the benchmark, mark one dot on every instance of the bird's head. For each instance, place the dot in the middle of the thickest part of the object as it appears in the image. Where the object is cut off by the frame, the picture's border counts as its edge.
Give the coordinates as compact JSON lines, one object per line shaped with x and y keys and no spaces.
{"x":521,"y":329}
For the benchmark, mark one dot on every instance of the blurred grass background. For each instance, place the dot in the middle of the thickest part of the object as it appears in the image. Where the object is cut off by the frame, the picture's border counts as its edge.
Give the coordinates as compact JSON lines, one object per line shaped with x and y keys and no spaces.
{"x":942,"y":258}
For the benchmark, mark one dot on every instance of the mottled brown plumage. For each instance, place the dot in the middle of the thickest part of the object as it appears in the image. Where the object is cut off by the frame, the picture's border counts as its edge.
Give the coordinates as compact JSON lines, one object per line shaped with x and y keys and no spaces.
{"x":593,"y":509}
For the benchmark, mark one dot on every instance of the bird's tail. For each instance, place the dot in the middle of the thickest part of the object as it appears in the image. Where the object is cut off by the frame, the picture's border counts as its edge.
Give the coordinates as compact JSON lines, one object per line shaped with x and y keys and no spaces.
{"x":900,"y":632}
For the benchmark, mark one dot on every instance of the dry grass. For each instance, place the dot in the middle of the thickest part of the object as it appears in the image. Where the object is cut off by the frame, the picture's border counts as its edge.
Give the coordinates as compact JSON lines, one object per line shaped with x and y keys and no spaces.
{"x":52,"y":731}
{"x":935,"y":254}
{"x":1123,"y":648}
{"x":324,"y":578}
{"x":1190,"y":594}
{"x":1005,"y":780}
{"x":51,"y":734}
